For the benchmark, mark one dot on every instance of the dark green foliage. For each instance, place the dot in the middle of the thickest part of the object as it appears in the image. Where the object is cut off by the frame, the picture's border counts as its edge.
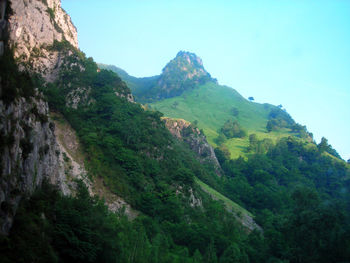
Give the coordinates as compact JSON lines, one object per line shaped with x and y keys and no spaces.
{"x":253,"y":143}
{"x":222,"y":154}
{"x":140,"y":87}
{"x":300,"y":198}
{"x":301,"y":131}
{"x":234,"y":111}
{"x":123,"y":136}
{"x":232,"y":129}
{"x":53,"y":228}
{"x":50,"y":227}
{"x":259,"y":146}
{"x":59,"y":45}
{"x":51,"y":13}
{"x":323,"y":146}
{"x":138,"y":159}
{"x":233,"y":254}
{"x":221,"y":139}
{"x":279,"y":118}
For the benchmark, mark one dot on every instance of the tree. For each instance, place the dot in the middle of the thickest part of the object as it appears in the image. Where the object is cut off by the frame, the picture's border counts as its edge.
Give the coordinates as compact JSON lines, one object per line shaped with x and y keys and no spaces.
{"x":234,"y":111}
{"x":323,"y":145}
{"x":349,"y":161}
{"x":270,"y":126}
{"x":175,"y":104}
{"x":197,"y":257}
{"x":234,"y":254}
{"x":210,"y":255}
{"x":222,"y":154}
{"x":220,"y":139}
{"x":232,"y":129}
{"x":253,"y":142}
{"x":251,"y":98}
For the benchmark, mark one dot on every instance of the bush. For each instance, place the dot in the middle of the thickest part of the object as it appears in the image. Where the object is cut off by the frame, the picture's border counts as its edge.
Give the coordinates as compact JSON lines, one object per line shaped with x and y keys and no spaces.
{"x":232,"y":129}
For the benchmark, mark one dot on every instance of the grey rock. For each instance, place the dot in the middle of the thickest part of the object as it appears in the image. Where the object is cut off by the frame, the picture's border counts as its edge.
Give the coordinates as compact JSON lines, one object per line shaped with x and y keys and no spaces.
{"x":195,"y":139}
{"x":33,"y":27}
{"x":28,"y":157}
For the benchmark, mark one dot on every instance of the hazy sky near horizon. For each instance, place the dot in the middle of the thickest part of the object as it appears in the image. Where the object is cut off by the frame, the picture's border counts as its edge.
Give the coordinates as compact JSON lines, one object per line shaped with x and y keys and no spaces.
{"x":290,"y":52}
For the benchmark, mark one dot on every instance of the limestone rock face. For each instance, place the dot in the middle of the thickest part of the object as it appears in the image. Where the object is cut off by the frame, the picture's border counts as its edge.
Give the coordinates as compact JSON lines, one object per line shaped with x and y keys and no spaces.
{"x":29,"y":150}
{"x":29,"y":153}
{"x":196,"y":140}
{"x":34,"y":27}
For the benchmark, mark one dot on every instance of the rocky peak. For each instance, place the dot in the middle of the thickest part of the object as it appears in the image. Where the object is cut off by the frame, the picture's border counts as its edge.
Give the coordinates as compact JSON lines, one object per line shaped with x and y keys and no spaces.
{"x":184,"y":72}
{"x":187,"y":62}
{"x":187,"y":66}
{"x":34,"y":26}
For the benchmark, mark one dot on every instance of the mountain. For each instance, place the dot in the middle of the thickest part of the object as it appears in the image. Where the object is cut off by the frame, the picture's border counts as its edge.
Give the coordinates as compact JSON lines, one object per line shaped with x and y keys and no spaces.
{"x":90,"y":175}
{"x":186,"y":91}
{"x":182,"y":73}
{"x":71,"y":135}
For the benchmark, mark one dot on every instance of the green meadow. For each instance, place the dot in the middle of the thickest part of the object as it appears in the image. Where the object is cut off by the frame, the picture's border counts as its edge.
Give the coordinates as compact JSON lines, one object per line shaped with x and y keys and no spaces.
{"x":211,"y":105}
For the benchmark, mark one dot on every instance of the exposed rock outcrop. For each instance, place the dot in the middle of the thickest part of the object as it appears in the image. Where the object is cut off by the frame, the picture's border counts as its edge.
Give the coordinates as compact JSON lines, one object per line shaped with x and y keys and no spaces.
{"x":73,"y":158}
{"x":196,"y":140}
{"x":29,"y":150}
{"x":29,"y":153}
{"x":34,"y":27}
{"x":184,"y":71}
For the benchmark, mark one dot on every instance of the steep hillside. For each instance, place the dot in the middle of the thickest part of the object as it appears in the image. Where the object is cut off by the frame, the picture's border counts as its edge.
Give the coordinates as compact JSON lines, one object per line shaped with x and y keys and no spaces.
{"x":121,"y":152}
{"x":185,"y":90}
{"x":133,"y":155}
{"x":212,"y":105}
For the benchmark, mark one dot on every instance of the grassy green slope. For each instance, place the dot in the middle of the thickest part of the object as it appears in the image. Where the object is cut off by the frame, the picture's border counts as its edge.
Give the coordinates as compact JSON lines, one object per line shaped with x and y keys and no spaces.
{"x":211,"y":105}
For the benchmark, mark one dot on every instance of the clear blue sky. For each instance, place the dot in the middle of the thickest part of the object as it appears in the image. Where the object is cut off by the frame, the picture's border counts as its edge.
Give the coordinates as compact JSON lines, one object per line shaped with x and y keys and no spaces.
{"x":290,"y":52}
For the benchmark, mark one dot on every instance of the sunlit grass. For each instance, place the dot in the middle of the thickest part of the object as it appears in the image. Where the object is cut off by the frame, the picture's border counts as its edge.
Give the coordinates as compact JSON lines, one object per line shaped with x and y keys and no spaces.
{"x":211,"y":105}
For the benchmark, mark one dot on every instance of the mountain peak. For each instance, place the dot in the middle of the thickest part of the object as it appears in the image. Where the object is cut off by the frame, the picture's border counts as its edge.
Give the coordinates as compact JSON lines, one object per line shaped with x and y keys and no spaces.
{"x":186,"y":62}
{"x":191,"y":58}
{"x":183,"y":72}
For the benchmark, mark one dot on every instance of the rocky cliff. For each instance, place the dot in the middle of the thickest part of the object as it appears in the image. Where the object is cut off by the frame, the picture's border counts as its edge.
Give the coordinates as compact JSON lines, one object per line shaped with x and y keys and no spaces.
{"x":34,"y":27}
{"x":29,"y":150}
{"x":29,"y":153}
{"x":195,"y":139}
